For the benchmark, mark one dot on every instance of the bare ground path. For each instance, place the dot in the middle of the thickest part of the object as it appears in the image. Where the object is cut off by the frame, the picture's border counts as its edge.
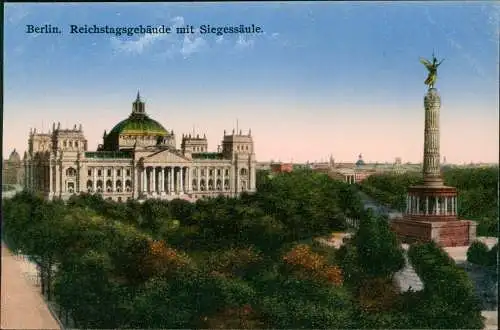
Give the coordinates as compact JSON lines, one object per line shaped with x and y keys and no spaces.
{"x":23,"y":307}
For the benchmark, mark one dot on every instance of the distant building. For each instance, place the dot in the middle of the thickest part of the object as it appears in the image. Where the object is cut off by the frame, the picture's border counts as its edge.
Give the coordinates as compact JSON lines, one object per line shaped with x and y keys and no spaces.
{"x":355,"y":172}
{"x":281,"y":167}
{"x":13,"y":170}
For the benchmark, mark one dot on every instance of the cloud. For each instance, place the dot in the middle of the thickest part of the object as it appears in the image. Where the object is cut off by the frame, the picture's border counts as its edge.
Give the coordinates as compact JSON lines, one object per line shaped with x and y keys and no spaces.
{"x":139,"y":45}
{"x":244,"y":42}
{"x":192,"y":45}
{"x":219,"y":40}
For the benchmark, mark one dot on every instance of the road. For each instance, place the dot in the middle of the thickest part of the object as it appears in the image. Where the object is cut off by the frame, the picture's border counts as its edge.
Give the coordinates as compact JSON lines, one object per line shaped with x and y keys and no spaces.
{"x":23,"y":307}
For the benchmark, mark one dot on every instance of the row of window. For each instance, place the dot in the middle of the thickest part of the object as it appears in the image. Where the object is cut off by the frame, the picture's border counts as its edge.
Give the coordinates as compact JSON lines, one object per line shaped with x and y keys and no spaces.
{"x":72,"y":172}
{"x":243,"y":171}
{"x":70,"y":144}
{"x":109,"y":172}
{"x":241,"y":148}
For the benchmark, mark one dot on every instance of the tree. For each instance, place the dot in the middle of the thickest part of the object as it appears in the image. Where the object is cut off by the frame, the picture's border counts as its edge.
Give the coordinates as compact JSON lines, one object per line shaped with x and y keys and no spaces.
{"x":378,"y":251}
{"x":448,"y":300}
{"x":477,"y":253}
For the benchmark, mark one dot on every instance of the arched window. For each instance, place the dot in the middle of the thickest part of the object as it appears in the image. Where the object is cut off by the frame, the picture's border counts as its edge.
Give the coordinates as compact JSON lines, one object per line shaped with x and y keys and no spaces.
{"x":71,"y":144}
{"x":219,"y":185}
{"x":90,"y":186}
{"x":99,"y":172}
{"x":76,"y":144}
{"x":99,"y":185}
{"x":226,"y":184}
{"x":202,"y":185}
{"x":128,"y":186}
{"x":218,"y":171}
{"x":210,"y":184}
{"x":71,"y":172}
{"x":195,"y":185}
{"x":109,"y":185}
{"x":119,"y":185}
{"x":243,"y":171}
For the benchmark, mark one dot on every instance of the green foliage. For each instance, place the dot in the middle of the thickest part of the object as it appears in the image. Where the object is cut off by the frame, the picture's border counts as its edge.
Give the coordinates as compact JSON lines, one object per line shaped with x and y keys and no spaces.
{"x":390,"y":189}
{"x":477,"y":253}
{"x":448,"y":299}
{"x":378,"y":252}
{"x":305,"y":304}
{"x":477,"y":193}
{"x":217,"y":262}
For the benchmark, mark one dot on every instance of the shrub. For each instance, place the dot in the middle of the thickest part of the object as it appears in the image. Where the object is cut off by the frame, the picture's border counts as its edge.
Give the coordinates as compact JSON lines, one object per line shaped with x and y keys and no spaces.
{"x":493,"y":256}
{"x":478,"y":253}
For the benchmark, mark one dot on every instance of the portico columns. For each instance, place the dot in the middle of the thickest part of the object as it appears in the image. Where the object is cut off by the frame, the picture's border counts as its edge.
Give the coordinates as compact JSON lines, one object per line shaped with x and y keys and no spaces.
{"x":172,"y":179}
{"x":223,"y":178}
{"x":181,"y":181}
{"x":153,"y":173}
{"x":162,"y":180}
{"x":207,"y":188}
{"x":144,"y":179}
{"x":94,"y":182}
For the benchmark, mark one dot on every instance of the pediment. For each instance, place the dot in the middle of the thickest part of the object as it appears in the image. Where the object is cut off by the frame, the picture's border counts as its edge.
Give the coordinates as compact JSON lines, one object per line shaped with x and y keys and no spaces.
{"x":165,"y":156}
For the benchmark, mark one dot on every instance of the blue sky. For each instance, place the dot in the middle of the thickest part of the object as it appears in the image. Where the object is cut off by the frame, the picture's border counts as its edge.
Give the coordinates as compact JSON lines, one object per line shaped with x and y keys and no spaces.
{"x":324,"y":78}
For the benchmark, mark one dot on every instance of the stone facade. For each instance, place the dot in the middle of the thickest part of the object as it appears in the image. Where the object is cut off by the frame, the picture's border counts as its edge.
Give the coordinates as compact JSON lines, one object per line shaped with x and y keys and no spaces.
{"x":138,"y":160}
{"x":431,"y":209}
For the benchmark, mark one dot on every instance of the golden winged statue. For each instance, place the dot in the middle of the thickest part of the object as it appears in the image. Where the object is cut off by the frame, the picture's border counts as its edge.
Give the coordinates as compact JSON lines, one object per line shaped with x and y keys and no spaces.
{"x":432,"y":68}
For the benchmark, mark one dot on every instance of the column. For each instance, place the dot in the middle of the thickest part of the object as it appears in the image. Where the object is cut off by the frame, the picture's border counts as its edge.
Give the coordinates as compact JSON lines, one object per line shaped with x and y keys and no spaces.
{"x":418,"y":205}
{"x":160,"y":179}
{"x":144,"y":179}
{"x":426,"y":205}
{"x":94,"y":179}
{"x":167,"y":172}
{"x":206,"y":178}
{"x":198,"y":178}
{"x":437,"y":205}
{"x":104,"y":176}
{"x":113,"y":184}
{"x":188,"y":179}
{"x":51,"y":184}
{"x":181,"y":181}
{"x":122,"y":169}
{"x":172,"y":179}
{"x":153,"y":179}
{"x":223,"y":177}
{"x":446,"y":205}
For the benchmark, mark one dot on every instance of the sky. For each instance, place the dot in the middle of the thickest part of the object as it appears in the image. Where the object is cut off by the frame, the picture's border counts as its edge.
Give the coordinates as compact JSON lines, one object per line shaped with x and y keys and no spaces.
{"x":320,"y":79}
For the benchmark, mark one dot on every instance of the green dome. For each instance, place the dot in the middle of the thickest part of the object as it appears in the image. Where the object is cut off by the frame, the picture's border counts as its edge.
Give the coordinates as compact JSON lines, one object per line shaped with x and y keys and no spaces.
{"x":138,"y":124}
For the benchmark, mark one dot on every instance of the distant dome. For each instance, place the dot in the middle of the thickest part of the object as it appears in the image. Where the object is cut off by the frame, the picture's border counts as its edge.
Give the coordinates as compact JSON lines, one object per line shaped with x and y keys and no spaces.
{"x":14,"y":157}
{"x":360,"y":161}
